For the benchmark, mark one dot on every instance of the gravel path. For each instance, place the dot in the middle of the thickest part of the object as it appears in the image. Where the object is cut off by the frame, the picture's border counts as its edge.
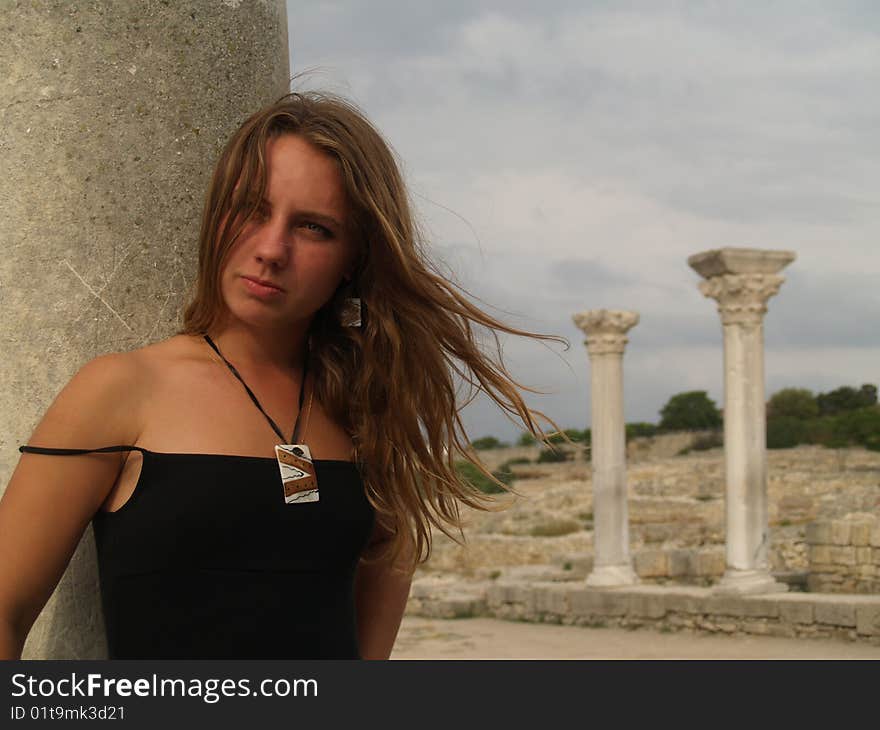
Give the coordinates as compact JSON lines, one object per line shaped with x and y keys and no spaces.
{"x":486,"y":638}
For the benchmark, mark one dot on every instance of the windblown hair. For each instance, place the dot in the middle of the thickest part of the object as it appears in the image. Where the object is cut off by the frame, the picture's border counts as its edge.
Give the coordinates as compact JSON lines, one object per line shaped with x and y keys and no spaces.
{"x":389,"y":383}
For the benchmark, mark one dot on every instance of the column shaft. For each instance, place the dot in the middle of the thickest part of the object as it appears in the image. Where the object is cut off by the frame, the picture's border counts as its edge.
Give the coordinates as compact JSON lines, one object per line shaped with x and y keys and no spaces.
{"x":745,"y":454}
{"x":610,"y":515}
{"x":111,"y":118}
{"x":606,"y":340}
{"x":741,"y":280}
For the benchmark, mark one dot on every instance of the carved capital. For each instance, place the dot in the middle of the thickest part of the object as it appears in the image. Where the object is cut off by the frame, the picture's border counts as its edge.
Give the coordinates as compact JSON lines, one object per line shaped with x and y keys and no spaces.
{"x":606,"y":329}
{"x":742,"y":298}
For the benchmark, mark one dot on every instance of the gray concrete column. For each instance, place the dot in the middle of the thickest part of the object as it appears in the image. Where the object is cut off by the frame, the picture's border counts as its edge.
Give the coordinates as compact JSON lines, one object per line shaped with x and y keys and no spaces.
{"x":742,"y":280}
{"x":606,"y":340}
{"x":111,"y":117}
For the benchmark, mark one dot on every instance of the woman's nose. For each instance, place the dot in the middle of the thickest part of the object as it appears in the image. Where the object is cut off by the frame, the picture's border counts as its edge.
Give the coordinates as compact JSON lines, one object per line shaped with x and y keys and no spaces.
{"x":272,"y":246}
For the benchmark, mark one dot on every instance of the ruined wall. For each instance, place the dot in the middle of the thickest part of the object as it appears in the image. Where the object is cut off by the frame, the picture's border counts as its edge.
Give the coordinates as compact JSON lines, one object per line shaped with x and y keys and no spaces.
{"x":845,"y":555}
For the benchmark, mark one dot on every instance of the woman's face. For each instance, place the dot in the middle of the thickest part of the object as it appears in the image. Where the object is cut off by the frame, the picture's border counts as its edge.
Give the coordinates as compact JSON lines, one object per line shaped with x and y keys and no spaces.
{"x":298,"y":243}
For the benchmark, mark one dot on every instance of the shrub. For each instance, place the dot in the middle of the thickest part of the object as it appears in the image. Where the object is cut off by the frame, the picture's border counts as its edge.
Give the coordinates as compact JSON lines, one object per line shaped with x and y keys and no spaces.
{"x":691,"y":411}
{"x":797,"y":403}
{"x":526,"y":439}
{"x":820,"y":430}
{"x":548,"y":455}
{"x":640,"y":430}
{"x":785,"y":432}
{"x":846,"y":399}
{"x":488,"y":442}
{"x":555,"y":526}
{"x":469,"y":473}
{"x":860,"y":427}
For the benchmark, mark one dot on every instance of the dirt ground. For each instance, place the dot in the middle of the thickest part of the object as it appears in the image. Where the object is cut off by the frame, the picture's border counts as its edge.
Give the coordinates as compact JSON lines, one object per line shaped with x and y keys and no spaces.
{"x":486,"y":638}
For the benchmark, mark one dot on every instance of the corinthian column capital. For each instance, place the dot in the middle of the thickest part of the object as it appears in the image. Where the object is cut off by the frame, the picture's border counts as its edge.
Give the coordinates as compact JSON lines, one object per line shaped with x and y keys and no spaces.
{"x":741,"y":280}
{"x":606,"y":329}
{"x":742,"y":298}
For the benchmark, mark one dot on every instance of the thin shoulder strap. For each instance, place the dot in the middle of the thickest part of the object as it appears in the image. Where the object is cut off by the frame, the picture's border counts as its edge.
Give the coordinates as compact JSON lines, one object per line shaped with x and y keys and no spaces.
{"x":70,"y":452}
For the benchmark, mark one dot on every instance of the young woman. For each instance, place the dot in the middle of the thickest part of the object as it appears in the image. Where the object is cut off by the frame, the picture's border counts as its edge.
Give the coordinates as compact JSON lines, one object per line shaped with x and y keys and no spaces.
{"x":263,"y":484}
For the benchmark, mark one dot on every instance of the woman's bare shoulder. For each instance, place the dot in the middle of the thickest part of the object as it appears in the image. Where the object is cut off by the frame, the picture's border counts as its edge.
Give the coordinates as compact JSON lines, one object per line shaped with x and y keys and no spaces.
{"x":172,"y":350}
{"x":137,"y":373}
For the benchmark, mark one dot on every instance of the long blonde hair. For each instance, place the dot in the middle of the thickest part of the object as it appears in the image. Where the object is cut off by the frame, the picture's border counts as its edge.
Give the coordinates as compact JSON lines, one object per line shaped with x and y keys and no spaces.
{"x":389,"y":383}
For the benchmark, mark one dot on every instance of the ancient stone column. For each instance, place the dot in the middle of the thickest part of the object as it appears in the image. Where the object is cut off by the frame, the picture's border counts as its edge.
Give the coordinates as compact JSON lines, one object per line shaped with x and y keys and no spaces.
{"x":606,"y":339}
{"x":742,"y":280}
{"x":111,"y":117}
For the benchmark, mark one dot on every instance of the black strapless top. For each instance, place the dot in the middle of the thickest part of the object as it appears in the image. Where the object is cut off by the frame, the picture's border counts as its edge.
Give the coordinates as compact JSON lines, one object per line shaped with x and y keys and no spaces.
{"x":206,"y":561}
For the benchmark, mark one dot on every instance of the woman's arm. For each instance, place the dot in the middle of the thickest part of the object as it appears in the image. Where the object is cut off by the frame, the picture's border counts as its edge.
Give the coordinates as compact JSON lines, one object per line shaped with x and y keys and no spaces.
{"x":50,"y":500}
{"x":381,"y":594}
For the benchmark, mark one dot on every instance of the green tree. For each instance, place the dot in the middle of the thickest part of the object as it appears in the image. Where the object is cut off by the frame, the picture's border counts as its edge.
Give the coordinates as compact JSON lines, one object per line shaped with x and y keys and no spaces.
{"x":860,"y":427}
{"x":690,"y":411}
{"x":846,"y":399}
{"x":470,"y":473}
{"x":639,"y":429}
{"x":548,"y":455}
{"x":785,"y":432}
{"x":526,"y":439}
{"x":792,"y":403}
{"x":576,"y":435}
{"x":487,"y":442}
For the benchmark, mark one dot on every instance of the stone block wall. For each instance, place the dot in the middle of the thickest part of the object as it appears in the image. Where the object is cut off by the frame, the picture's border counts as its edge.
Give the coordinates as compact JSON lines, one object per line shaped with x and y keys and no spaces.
{"x":845,"y":555}
{"x":685,"y":565}
{"x":660,"y":608}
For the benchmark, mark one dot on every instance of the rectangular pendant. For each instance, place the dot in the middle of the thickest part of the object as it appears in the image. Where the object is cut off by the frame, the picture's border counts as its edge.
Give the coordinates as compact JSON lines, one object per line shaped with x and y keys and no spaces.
{"x":297,"y":473}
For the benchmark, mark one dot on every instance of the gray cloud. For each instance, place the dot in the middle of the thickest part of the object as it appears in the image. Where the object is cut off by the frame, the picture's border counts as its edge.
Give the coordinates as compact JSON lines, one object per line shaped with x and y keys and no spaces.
{"x":571,"y":155}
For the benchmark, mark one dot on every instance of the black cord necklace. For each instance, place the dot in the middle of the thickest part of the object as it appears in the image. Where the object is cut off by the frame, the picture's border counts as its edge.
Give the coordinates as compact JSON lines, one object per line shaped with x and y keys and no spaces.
{"x":298,"y":477}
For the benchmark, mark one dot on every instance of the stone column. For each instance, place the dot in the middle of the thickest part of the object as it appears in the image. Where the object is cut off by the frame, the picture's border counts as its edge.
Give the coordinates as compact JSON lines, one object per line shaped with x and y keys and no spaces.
{"x":111,"y":117}
{"x":742,"y":280}
{"x":606,"y":339}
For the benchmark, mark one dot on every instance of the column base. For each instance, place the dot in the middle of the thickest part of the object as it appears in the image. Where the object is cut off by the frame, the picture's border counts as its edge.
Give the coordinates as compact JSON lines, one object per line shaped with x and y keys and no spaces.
{"x":611,"y":576}
{"x":747,"y":582}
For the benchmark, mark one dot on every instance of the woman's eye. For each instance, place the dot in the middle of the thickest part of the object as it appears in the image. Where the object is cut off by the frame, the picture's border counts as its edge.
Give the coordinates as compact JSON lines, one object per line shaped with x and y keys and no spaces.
{"x":317,"y":229}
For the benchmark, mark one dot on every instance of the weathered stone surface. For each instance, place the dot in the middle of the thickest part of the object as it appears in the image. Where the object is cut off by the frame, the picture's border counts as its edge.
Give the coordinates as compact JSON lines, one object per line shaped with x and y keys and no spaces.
{"x":843,"y":554}
{"x":651,"y":563}
{"x":647,"y":605}
{"x":680,"y":563}
{"x":800,"y":612}
{"x":588,"y":602}
{"x":755,"y":606}
{"x":818,"y":533}
{"x":860,"y":533}
{"x":741,"y":280}
{"x":551,"y":600}
{"x":868,"y":620}
{"x":606,"y":340}
{"x":759,"y":628}
{"x":686,"y":602}
{"x":742,"y":606}
{"x":836,"y":614}
{"x":864,"y":555}
{"x":840,"y":532}
{"x":724,"y":605}
{"x":113,"y":115}
{"x":709,"y":562}
{"x":820,"y":555}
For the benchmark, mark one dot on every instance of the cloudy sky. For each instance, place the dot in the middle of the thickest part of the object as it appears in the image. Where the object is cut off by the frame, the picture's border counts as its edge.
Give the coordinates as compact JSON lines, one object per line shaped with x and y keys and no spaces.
{"x":570,"y":155}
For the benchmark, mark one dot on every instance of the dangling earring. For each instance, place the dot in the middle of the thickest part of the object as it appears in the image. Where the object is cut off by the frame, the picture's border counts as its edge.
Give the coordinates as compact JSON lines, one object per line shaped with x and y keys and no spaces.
{"x":351,"y":312}
{"x":351,"y":309}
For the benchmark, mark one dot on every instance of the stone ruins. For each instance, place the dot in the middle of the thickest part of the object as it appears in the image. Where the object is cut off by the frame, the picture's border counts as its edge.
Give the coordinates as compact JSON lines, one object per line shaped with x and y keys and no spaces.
{"x":108,"y":123}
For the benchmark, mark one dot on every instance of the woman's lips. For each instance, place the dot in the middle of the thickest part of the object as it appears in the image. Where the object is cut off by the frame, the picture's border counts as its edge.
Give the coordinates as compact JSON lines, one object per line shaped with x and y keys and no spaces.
{"x":261,"y":290}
